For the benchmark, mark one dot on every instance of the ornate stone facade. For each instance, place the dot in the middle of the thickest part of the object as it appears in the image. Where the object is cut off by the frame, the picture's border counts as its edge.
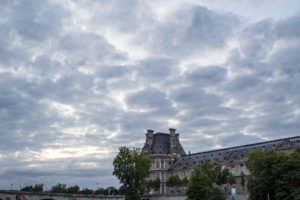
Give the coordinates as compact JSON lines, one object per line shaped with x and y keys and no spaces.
{"x":169,"y":158}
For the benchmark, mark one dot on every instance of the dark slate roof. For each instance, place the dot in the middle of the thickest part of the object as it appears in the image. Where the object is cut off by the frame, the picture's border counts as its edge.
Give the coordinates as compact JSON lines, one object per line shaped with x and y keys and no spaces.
{"x":230,"y":154}
{"x":161,"y":144}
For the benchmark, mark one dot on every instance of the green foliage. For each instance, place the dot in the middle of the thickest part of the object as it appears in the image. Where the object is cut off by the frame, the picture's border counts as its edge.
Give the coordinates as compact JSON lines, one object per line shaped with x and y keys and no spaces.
{"x":132,"y":168}
{"x":35,"y":188}
{"x":275,"y":174}
{"x":200,"y":185}
{"x":73,"y":189}
{"x":243,"y":181}
{"x":153,"y":184}
{"x":59,"y":188}
{"x":204,"y":181}
{"x":111,"y":191}
{"x":221,"y":176}
{"x":122,"y":190}
{"x":173,"y":181}
{"x":27,"y":188}
{"x":86,"y":191}
{"x":184,"y":182}
{"x":100,"y":191}
{"x":218,"y":193}
{"x":231,"y":179}
{"x":108,"y":191}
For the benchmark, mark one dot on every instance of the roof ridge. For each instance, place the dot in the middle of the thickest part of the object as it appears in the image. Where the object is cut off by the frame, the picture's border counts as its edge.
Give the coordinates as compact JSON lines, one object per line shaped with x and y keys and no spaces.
{"x":246,"y":145}
{"x":160,"y":133}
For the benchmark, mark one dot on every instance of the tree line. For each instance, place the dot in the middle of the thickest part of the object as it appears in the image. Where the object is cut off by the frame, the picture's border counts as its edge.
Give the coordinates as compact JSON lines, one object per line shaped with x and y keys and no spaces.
{"x":62,"y":188}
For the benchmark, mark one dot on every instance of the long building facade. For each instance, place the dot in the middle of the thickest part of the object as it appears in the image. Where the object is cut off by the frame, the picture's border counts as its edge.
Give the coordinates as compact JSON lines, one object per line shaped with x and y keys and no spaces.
{"x":169,"y":158}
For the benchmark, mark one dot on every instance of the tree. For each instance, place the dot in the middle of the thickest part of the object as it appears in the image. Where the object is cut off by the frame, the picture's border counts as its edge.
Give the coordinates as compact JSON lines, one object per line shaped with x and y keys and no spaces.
{"x":86,"y":191}
{"x":231,"y":179}
{"x":243,"y":181}
{"x":221,"y":175}
{"x":218,"y":193}
{"x":184,"y":181}
{"x":122,"y":190}
{"x":199,"y":186}
{"x":73,"y":189}
{"x":274,"y":175}
{"x":111,"y":191}
{"x":173,"y":181}
{"x":205,"y":183}
{"x":58,"y":188}
{"x":35,"y":188}
{"x":100,"y":191}
{"x":28,"y":188}
{"x":132,"y":167}
{"x":153,"y":184}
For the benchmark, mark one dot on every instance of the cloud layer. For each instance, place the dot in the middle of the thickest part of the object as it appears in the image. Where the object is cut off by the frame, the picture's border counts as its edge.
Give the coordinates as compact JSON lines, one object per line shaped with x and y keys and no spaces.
{"x":78,"y":80}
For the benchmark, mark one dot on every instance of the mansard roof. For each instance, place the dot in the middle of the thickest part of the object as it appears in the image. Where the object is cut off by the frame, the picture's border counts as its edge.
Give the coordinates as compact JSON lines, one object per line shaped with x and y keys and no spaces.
{"x":232,"y":154}
{"x":161,"y":144}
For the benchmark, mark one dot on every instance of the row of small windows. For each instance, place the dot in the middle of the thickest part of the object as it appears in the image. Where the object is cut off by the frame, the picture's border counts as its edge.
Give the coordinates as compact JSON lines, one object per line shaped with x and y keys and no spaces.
{"x":160,"y":175}
{"x":158,"y":165}
{"x":242,"y":169}
{"x":210,"y":160}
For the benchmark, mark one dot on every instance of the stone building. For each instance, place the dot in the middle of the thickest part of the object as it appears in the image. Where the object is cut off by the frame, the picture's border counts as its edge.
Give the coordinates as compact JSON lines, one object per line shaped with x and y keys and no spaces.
{"x":169,"y":158}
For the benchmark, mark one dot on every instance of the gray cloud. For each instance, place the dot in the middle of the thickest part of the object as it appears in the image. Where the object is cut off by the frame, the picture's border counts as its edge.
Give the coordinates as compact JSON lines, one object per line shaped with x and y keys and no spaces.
{"x":157,"y":69}
{"x":35,"y":20}
{"x":189,"y":30}
{"x":152,"y":100}
{"x":206,"y":76}
{"x":125,"y":16}
{"x":288,"y":28}
{"x":72,"y":91}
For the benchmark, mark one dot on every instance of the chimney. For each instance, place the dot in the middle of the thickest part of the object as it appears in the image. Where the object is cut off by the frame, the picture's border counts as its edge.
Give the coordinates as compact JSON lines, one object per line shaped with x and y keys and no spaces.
{"x":149,"y":137}
{"x":172,"y":140}
{"x":172,"y":131}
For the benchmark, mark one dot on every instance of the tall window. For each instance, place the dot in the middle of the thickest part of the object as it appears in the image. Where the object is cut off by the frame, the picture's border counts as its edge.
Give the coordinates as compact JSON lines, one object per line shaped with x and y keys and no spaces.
{"x":157,"y":165}
{"x":242,"y":168}
{"x":162,"y":175}
{"x":185,"y":173}
{"x":178,"y":174}
{"x":233,"y":170}
{"x":162,"y":189}
{"x":162,"y":164}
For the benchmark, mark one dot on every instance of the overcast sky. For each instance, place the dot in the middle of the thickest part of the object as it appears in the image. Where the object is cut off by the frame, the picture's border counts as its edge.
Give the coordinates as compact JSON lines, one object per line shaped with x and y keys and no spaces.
{"x":79,"y":79}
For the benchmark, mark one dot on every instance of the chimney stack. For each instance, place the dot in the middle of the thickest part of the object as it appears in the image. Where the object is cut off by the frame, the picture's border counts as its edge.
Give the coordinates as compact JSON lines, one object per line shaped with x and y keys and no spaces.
{"x":172,"y":131}
{"x":172,"y":140}
{"x":149,"y":137}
